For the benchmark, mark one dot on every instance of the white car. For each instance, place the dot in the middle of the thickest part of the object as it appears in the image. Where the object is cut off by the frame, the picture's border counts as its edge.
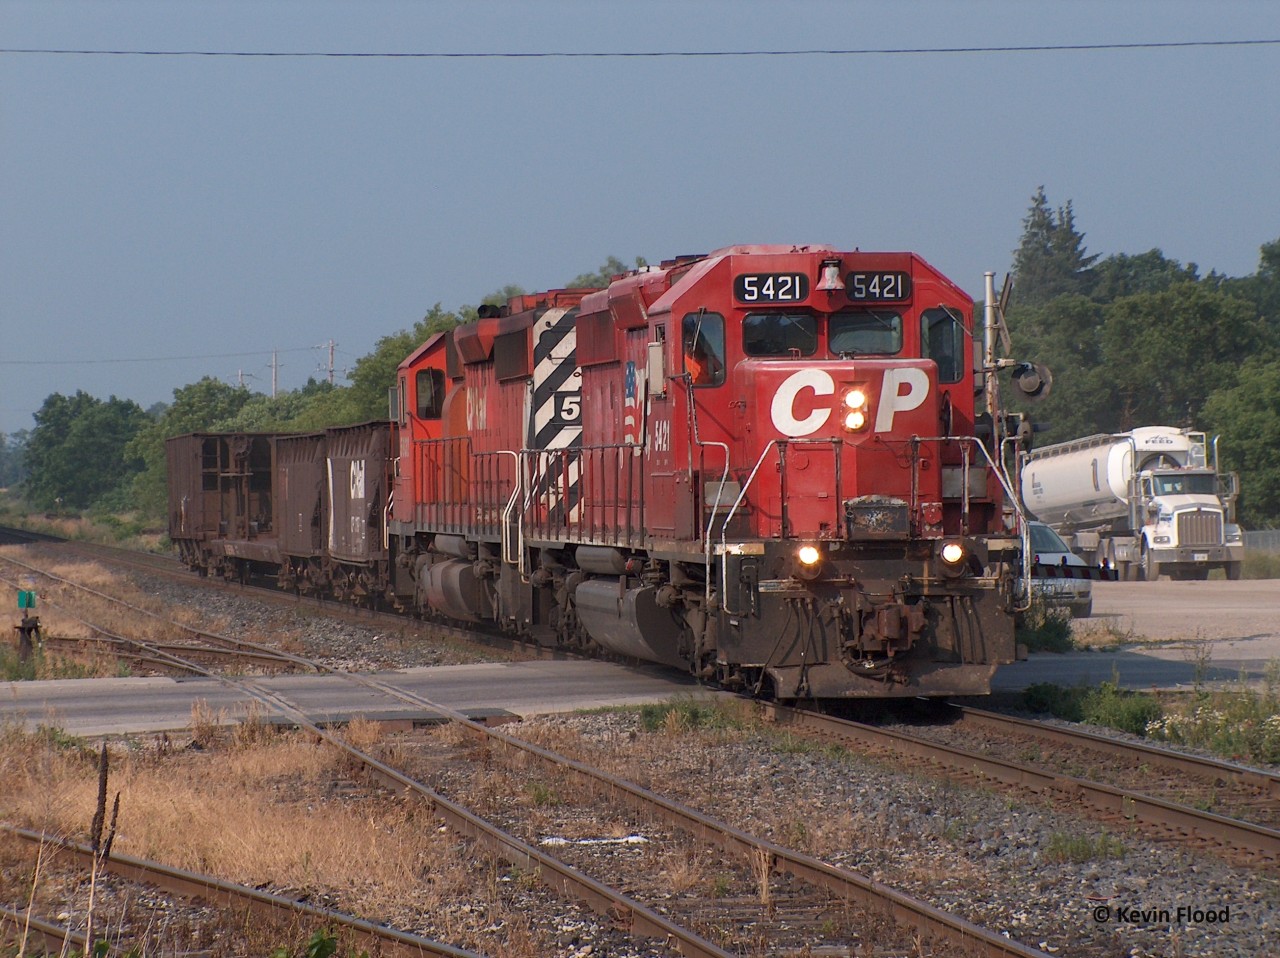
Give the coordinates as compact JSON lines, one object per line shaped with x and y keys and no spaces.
{"x":1067,"y":592}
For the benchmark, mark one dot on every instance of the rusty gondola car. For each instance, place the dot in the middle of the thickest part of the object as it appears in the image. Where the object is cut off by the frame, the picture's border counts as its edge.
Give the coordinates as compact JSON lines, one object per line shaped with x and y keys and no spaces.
{"x":221,"y":502}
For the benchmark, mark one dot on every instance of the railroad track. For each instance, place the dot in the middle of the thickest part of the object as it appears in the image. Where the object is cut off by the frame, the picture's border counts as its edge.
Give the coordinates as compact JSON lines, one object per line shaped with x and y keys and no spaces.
{"x":1211,"y":784}
{"x":819,"y":881}
{"x":1253,"y":841}
{"x":1239,"y":839}
{"x":1256,"y":844}
{"x":159,"y":654}
{"x":242,"y":901}
{"x":266,"y":592}
{"x":1212,"y":769}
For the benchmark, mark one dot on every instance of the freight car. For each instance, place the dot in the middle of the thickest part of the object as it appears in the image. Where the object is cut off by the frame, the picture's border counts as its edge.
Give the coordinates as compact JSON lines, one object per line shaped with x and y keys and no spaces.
{"x":308,"y":508}
{"x":785,"y":469}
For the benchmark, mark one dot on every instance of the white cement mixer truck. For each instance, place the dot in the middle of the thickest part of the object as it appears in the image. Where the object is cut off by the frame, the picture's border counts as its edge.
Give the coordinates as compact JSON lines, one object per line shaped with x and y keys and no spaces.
{"x":1148,"y":502}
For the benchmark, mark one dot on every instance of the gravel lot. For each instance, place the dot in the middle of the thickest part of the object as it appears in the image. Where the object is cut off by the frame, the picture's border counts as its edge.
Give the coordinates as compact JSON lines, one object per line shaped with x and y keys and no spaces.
{"x":1245,"y":611}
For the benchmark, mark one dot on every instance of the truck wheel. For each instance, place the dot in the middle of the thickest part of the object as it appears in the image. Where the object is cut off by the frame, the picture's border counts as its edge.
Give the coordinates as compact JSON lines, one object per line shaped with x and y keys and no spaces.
{"x":1128,"y":572}
{"x":1233,"y":570}
{"x":1150,"y":568}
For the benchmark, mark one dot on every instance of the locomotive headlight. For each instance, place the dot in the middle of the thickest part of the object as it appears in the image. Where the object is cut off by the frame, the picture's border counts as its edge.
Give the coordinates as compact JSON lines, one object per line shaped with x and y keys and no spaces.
{"x":855,"y":409}
{"x":808,"y":561}
{"x":953,"y":555}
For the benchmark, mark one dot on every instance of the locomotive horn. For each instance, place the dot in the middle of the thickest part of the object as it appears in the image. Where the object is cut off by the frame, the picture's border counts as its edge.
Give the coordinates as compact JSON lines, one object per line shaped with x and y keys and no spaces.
{"x":1032,"y":380}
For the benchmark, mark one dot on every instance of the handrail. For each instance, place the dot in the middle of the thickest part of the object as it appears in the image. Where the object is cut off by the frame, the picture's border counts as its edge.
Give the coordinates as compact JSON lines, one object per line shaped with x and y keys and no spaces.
{"x":518,"y":561}
{"x":1006,"y":483}
{"x":742,"y":494}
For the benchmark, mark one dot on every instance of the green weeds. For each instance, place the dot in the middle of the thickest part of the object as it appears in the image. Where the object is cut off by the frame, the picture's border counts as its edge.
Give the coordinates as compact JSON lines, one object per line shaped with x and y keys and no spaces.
{"x":684,"y":715}
{"x":1081,"y":848}
{"x":1241,"y":722}
{"x":1106,"y":705}
{"x":1045,"y":629}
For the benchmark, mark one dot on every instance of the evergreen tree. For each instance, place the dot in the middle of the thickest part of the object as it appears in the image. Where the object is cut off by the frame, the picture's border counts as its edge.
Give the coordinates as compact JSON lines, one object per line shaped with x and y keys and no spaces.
{"x":1050,"y":260}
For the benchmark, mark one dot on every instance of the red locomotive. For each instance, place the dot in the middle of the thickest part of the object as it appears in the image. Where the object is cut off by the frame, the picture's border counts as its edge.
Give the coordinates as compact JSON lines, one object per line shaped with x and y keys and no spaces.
{"x":779,"y":468}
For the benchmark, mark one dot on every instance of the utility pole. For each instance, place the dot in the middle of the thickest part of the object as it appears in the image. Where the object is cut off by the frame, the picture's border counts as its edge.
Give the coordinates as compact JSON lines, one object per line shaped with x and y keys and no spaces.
{"x":275,"y":373}
{"x":332,"y":344}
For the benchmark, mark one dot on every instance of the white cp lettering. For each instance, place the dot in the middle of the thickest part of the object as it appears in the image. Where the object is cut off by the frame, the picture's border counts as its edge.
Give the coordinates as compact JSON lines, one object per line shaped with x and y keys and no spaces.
{"x":894,"y":400}
{"x":784,"y":402}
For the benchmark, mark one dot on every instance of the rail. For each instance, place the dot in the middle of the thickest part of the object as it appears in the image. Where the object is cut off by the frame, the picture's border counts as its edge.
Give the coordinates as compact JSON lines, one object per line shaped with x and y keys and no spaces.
{"x":364,"y":934}
{"x":843,"y":883}
{"x":1211,"y":768}
{"x":1256,"y":842}
{"x":561,"y":877}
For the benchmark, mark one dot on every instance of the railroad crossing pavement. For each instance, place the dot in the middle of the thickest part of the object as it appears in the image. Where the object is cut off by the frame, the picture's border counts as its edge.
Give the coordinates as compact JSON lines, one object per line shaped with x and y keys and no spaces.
{"x":1180,"y":666}
{"x":126,"y":706}
{"x":92,"y":707}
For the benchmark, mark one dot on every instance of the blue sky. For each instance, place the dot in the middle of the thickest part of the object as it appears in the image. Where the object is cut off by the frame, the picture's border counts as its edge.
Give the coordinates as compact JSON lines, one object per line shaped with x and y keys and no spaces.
{"x":165,"y":218}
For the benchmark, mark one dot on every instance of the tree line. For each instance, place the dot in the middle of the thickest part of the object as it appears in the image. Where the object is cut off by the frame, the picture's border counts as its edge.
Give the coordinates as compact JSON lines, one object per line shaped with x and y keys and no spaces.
{"x":1131,"y":339}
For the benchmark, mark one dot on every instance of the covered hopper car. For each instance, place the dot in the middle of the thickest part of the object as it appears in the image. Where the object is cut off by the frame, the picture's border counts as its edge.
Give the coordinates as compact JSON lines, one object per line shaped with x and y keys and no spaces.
{"x":779,"y":468}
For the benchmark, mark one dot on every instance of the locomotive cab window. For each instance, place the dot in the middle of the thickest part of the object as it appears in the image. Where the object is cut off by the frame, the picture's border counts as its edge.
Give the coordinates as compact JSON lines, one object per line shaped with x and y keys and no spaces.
{"x":702,"y":344}
{"x":865,"y":332}
{"x":395,"y":401}
{"x":779,"y":334}
{"x":430,"y":393}
{"x":942,"y":340}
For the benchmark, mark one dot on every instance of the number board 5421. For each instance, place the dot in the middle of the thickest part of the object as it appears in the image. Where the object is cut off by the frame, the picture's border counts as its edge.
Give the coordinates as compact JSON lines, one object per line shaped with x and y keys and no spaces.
{"x":878,"y":286}
{"x":770,"y":287}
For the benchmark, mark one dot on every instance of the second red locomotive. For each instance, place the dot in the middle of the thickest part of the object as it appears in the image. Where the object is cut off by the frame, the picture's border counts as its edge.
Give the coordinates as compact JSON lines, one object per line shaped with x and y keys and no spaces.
{"x":779,"y":468}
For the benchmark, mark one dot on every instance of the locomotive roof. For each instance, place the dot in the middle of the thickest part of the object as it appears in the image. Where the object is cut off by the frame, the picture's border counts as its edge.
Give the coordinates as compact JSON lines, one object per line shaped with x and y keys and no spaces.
{"x":432,"y":341}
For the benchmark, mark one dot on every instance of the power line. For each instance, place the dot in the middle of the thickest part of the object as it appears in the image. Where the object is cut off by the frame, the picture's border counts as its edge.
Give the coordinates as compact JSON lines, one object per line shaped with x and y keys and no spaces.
{"x":640,"y":54}
{"x":149,"y":359}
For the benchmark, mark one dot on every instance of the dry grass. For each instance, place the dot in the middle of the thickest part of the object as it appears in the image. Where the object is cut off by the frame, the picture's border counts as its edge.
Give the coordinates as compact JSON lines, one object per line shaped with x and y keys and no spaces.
{"x":271,"y":809}
{"x":266,"y":807}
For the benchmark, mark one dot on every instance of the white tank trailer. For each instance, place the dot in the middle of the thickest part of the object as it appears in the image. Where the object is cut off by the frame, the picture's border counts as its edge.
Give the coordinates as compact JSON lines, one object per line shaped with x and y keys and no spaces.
{"x":1148,"y":502}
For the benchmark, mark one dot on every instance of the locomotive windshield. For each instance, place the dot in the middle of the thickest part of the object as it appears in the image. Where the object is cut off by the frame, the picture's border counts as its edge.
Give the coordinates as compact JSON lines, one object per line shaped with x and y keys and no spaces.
{"x":863,"y":332}
{"x":777,"y":334}
{"x":942,"y":340}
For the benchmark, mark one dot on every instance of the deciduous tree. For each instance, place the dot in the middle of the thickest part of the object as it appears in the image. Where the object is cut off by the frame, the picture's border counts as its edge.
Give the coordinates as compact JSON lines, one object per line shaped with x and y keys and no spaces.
{"x":1247,"y":415}
{"x":77,"y":454}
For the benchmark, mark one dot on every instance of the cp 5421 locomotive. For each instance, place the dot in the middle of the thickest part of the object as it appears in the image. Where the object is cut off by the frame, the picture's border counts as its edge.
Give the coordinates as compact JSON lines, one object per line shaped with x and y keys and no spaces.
{"x":780,"y":468}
